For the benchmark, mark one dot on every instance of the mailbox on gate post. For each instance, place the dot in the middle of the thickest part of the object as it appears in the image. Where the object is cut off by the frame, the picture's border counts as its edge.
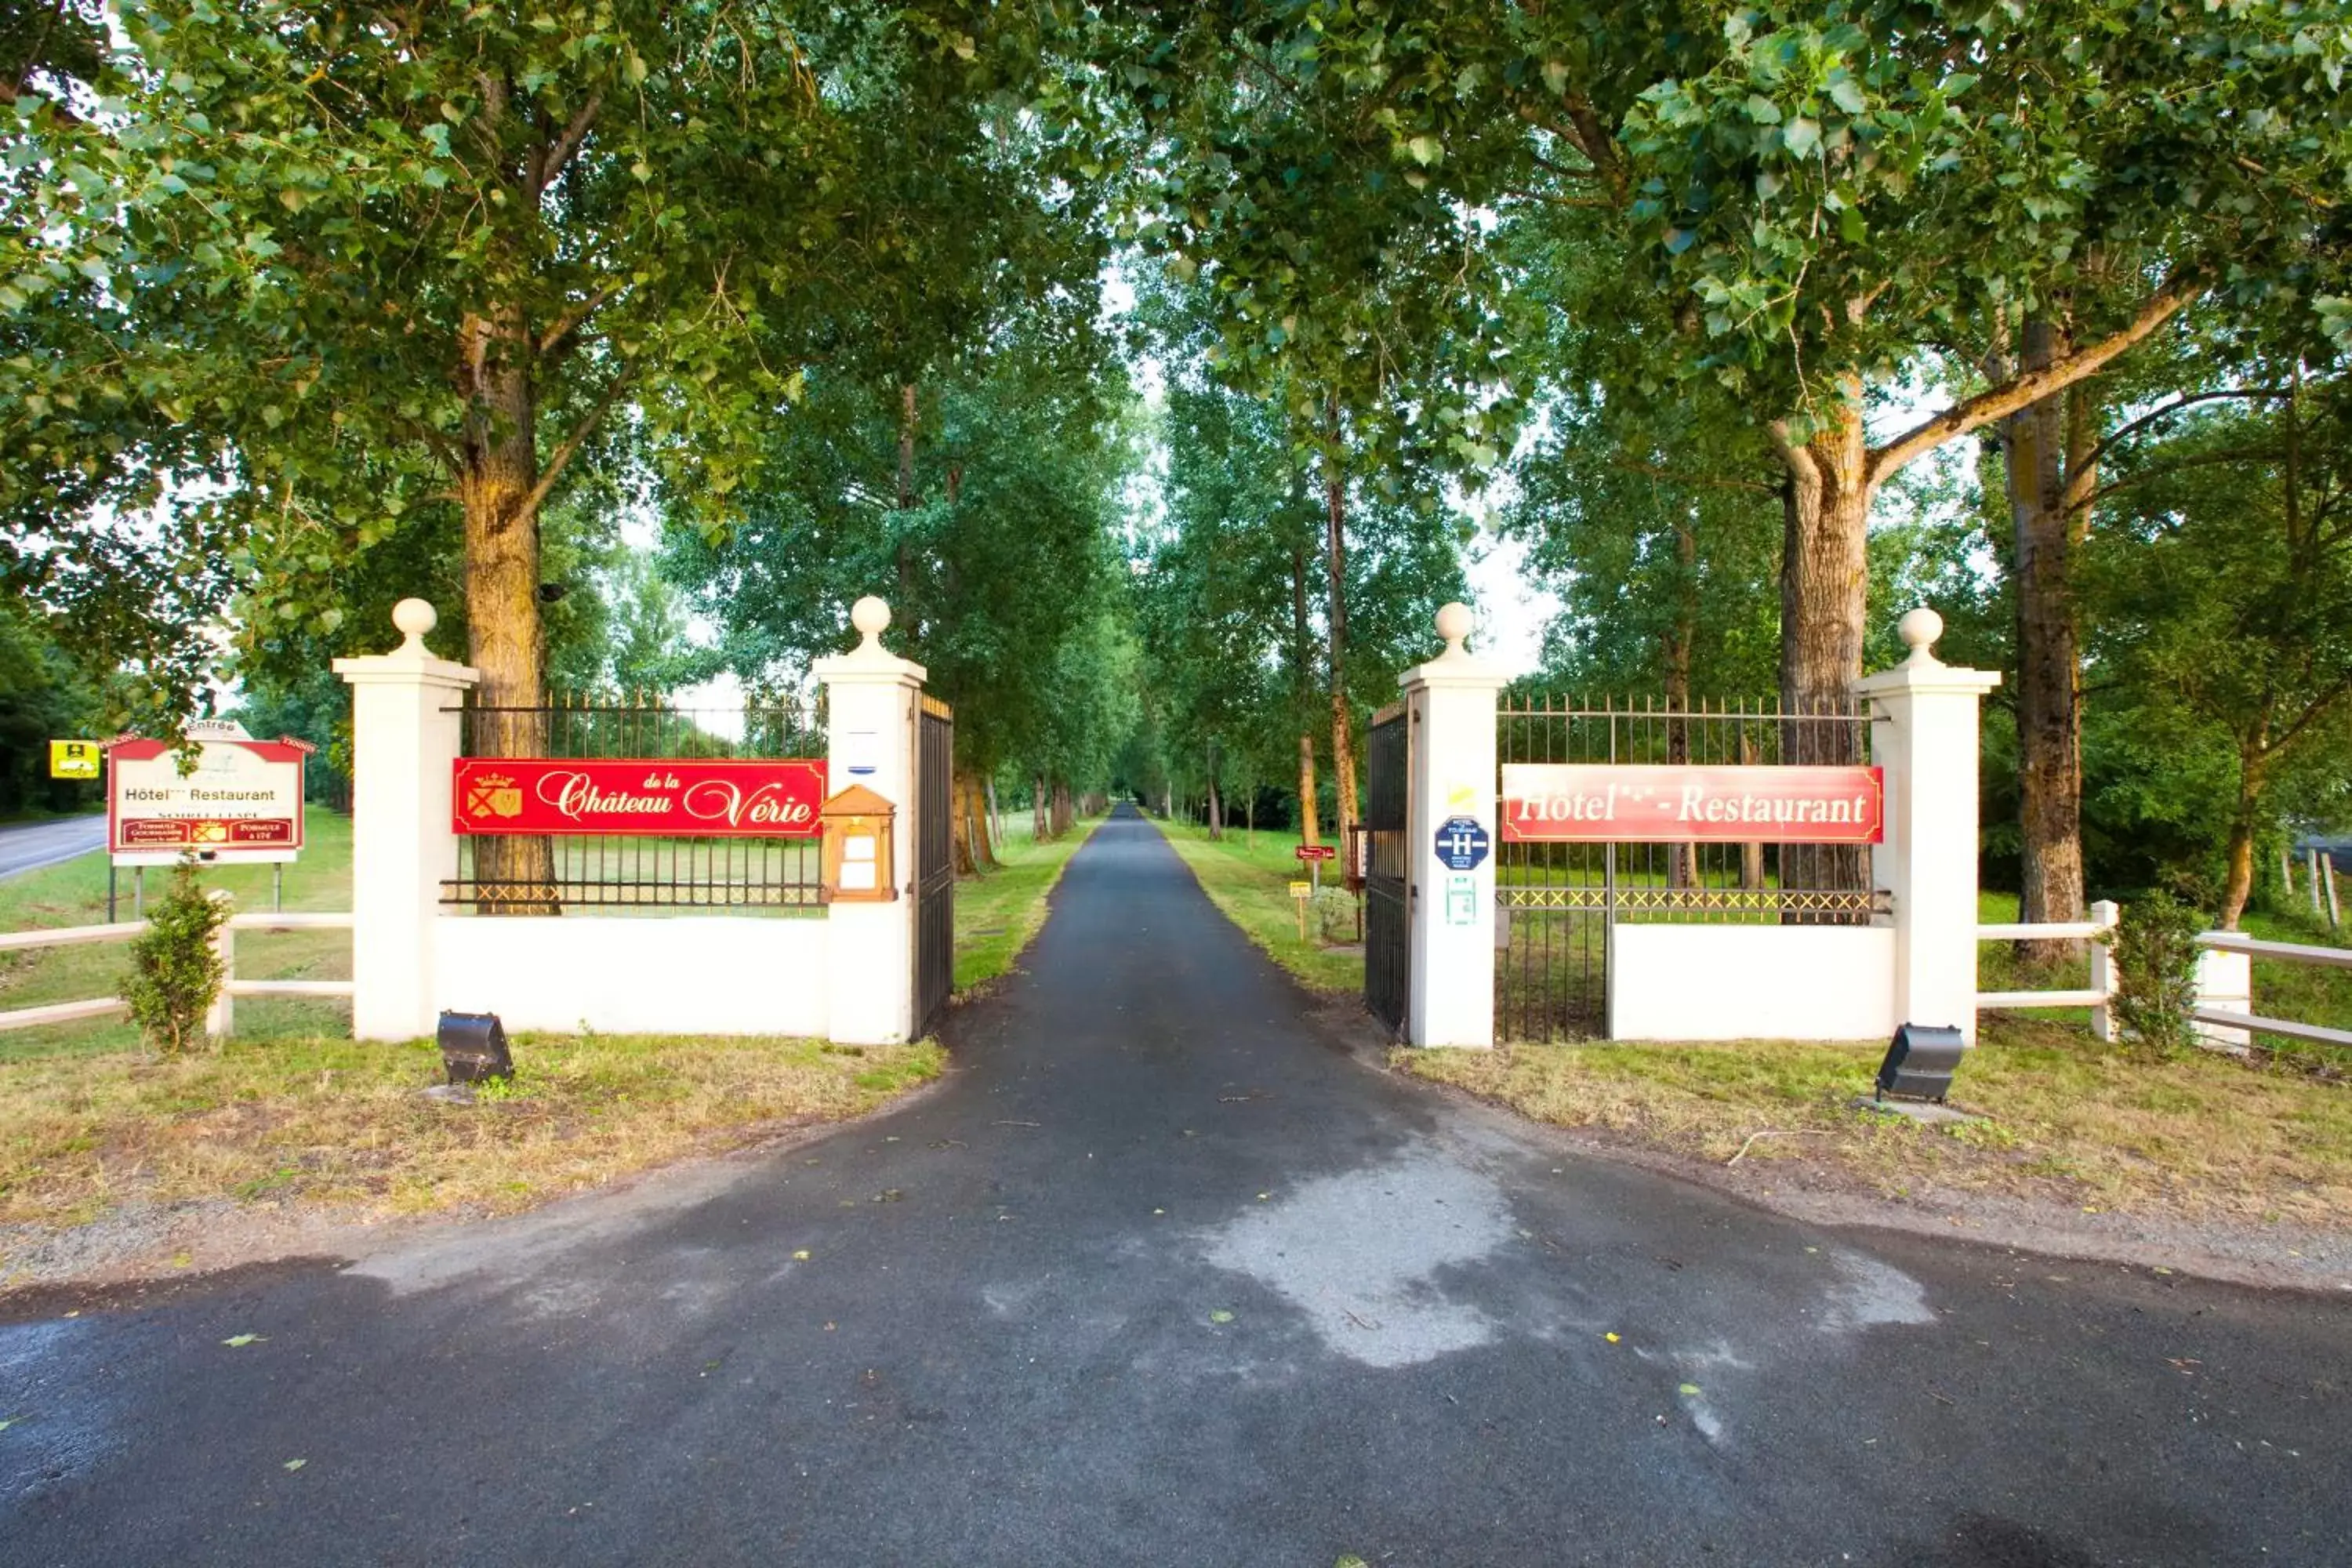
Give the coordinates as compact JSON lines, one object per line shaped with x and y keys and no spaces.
{"x":858,"y":855}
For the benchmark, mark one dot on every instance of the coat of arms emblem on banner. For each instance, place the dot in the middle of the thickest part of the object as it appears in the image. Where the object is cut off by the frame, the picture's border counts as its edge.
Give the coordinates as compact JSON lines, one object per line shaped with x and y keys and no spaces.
{"x":493,"y":794}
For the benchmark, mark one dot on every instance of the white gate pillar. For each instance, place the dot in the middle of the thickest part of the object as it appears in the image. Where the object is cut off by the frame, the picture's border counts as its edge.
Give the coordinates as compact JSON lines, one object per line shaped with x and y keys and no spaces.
{"x":1926,"y":740}
{"x":405,"y":733}
{"x":1450,"y":769}
{"x":872,"y":728}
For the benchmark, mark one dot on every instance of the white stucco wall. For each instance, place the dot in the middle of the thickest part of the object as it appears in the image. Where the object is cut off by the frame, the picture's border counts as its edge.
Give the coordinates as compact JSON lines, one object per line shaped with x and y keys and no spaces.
{"x":690,"y":974}
{"x":1752,"y":983}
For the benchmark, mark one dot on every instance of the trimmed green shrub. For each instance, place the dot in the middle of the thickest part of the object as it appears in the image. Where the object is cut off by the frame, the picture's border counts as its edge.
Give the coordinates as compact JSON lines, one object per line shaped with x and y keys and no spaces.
{"x":2156,"y":971}
{"x":174,"y":972}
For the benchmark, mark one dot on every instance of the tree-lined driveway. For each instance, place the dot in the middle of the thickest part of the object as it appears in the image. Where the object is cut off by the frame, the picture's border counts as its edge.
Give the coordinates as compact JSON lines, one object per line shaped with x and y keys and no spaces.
{"x":1163,"y":1275}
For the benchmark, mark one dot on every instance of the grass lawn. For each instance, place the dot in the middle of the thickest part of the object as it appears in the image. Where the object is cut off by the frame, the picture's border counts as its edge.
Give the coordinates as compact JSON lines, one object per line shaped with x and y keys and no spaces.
{"x":340,"y":1123}
{"x":2096,"y":1126}
{"x":996,"y":914}
{"x":2072,"y":1119}
{"x":1249,"y":876}
{"x":2091,"y":1126}
{"x":293,"y":1110}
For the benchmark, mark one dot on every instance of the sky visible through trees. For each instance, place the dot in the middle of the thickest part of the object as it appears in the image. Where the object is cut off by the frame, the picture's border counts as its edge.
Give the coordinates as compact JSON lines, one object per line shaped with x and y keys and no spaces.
{"x":1695,"y":343}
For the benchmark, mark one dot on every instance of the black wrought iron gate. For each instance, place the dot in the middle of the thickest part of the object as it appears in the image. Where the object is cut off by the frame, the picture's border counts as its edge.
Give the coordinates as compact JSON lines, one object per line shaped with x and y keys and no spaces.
{"x":934,"y":863}
{"x":1388,"y":963}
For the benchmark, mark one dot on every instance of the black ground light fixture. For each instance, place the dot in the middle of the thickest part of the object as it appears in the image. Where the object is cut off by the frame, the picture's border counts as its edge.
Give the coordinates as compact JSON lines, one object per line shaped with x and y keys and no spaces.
{"x":474,"y":1048}
{"x":1920,"y":1063}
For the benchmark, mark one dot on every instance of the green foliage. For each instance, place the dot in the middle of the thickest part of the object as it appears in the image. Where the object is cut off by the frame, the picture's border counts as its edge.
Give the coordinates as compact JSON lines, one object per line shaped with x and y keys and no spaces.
{"x":1001,"y":576}
{"x":174,"y":972}
{"x":2154,"y":945}
{"x":1231,"y":599}
{"x":343,"y":308}
{"x":2214,"y":587}
{"x":44,"y":695}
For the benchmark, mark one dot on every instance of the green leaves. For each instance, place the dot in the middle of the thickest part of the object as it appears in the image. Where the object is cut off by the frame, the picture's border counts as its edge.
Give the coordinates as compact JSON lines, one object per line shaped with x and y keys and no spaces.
{"x":174,"y":972}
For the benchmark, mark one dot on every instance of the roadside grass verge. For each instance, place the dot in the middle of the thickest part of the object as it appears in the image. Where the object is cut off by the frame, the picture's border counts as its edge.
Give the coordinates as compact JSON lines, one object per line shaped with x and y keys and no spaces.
{"x":998,"y":914}
{"x":1248,"y":877}
{"x":293,"y":1110}
{"x":2094,"y":1126}
{"x":338,"y":1123}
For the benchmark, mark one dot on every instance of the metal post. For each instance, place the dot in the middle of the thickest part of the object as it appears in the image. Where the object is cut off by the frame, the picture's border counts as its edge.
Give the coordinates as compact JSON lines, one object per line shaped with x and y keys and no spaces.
{"x":139,"y":893}
{"x":278,"y":887}
{"x":2328,"y":880}
{"x":109,"y":891}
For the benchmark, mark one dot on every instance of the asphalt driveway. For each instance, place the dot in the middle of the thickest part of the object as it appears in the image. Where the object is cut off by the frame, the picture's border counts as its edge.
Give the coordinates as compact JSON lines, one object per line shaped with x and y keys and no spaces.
{"x":28,"y":847}
{"x":1162,"y":1275}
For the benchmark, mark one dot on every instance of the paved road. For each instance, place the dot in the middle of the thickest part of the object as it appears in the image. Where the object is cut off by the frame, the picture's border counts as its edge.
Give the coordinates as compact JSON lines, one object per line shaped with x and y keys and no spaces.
{"x":38,"y":843}
{"x":1162,"y":1275}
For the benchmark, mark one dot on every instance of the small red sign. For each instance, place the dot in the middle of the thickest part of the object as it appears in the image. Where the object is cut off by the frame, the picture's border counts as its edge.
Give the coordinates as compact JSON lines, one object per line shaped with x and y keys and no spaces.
{"x":1607,"y":802}
{"x":700,"y":797}
{"x":207,"y":833}
{"x":1316,"y":852}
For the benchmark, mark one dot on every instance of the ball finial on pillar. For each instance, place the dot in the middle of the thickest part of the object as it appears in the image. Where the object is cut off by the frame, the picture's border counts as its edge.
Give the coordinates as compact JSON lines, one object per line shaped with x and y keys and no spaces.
{"x":413,"y":618}
{"x":1919,"y":630}
{"x":1454,"y":624}
{"x":870,"y":616}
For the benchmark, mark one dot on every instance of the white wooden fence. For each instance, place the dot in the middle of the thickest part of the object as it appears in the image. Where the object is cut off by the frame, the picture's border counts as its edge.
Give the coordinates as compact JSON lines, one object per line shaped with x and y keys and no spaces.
{"x":221,"y":1020}
{"x":2098,"y":996}
{"x":2238,"y":1022}
{"x":2223,"y":1026}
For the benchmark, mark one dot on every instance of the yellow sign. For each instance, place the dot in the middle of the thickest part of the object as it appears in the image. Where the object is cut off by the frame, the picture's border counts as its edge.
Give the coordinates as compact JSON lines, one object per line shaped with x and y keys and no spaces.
{"x":1302,"y":890}
{"x":75,"y":759}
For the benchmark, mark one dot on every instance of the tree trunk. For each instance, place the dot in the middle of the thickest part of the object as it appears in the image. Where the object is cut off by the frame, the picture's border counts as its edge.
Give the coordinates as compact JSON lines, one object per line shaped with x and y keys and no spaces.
{"x":984,"y":842}
{"x":1038,"y":825}
{"x":1751,"y":856}
{"x":1063,"y":815}
{"x":2253,"y":763}
{"x":1335,"y":542}
{"x":906,"y":500}
{"x":1824,"y":586}
{"x":505,"y":640}
{"x":1310,"y":808}
{"x":1682,"y":860}
{"x":973,"y":852}
{"x":1216,"y":811}
{"x":2046,"y":447}
{"x":996,"y":816}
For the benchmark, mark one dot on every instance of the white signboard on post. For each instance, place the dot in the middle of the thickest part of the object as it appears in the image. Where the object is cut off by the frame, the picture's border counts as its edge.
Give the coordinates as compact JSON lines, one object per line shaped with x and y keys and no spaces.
{"x":244,"y":801}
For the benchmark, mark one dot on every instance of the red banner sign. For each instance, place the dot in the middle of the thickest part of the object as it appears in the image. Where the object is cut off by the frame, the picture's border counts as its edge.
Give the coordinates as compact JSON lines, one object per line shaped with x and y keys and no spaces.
{"x":1316,"y":852}
{"x":700,"y":797}
{"x":1605,"y":802}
